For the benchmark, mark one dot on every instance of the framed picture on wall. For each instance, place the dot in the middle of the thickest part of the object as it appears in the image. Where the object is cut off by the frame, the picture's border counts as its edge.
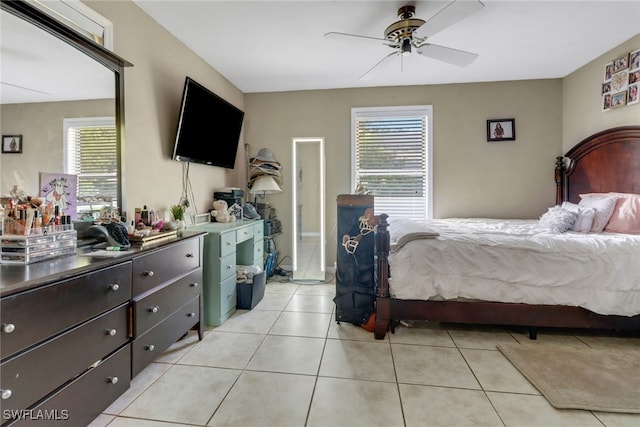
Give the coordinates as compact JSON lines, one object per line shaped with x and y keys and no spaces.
{"x":12,"y":143}
{"x":619,"y":99}
{"x":634,"y":60}
{"x":634,"y":94}
{"x":501,"y":130}
{"x":620,"y":63}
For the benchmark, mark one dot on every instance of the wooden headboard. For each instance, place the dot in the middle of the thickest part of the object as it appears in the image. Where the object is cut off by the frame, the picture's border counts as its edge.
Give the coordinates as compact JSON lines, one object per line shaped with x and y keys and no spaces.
{"x":606,"y":161}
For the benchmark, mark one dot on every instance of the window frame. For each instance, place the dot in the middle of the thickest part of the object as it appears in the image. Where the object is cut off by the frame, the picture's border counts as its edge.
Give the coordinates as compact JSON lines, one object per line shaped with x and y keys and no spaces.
{"x":88,"y":122}
{"x":398,"y":111}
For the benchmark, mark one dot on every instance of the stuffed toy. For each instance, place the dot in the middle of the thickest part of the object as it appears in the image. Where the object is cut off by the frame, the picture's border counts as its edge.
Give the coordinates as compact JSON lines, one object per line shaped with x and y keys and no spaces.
{"x":220,"y":212}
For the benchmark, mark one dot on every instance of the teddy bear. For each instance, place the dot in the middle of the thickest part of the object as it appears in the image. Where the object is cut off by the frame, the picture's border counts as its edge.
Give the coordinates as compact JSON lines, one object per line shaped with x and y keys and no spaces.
{"x":220,"y":212}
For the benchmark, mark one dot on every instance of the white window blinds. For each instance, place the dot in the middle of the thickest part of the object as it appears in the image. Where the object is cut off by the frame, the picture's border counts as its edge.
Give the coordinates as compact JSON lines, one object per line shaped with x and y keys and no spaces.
{"x":91,"y":155}
{"x":391,"y":159}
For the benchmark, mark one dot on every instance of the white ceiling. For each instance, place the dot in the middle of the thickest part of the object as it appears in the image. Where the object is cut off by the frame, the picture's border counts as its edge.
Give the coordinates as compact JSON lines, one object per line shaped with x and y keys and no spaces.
{"x":265,"y":46}
{"x":37,"y":67}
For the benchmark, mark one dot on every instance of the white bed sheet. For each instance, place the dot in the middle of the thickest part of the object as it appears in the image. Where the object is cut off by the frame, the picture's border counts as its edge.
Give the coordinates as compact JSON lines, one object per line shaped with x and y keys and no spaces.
{"x":514,"y":261}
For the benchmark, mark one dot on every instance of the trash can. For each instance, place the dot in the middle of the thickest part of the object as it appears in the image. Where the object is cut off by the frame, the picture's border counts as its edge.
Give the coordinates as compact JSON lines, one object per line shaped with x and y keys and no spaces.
{"x":251,"y":293}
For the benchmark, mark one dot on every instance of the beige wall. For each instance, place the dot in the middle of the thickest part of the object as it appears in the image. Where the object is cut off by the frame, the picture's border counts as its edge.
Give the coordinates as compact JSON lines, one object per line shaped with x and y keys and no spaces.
{"x":153,"y":89}
{"x":471,"y":176}
{"x":40,"y":125}
{"x":582,"y":100}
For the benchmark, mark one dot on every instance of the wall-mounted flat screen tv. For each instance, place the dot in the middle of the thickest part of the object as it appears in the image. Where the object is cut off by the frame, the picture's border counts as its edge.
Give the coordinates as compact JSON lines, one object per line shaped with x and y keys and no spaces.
{"x":208,"y":128}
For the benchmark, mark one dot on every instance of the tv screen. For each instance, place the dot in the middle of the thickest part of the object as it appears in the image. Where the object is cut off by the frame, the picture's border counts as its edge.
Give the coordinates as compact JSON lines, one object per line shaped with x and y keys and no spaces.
{"x":208,"y":128}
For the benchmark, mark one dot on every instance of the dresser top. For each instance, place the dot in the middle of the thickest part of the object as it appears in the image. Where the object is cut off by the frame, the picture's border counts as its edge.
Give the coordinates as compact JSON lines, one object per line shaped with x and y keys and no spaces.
{"x":15,"y":278}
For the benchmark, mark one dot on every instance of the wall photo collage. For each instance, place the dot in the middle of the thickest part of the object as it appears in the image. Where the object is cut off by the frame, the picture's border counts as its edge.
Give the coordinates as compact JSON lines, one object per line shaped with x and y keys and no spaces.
{"x":621,"y":84}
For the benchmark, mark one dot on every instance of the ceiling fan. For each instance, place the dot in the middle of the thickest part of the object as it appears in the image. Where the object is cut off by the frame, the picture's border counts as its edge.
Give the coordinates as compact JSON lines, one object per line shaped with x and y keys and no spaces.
{"x":410,"y":34}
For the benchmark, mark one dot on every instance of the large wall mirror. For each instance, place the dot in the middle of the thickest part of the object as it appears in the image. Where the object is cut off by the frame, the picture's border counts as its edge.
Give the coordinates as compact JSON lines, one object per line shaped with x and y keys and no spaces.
{"x":51,"y":74}
{"x":308,"y":208}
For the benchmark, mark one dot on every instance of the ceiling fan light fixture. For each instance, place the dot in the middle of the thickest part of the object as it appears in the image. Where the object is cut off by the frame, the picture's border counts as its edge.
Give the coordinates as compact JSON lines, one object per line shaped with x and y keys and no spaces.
{"x":405,"y":49}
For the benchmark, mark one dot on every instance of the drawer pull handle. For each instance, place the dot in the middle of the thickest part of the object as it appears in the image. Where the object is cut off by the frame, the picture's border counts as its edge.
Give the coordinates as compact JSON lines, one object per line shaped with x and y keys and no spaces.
{"x":150,"y":347}
{"x":191,"y":315}
{"x":153,"y":309}
{"x":112,"y":380}
{"x":229,"y":294}
{"x":228,"y":243}
{"x":111,"y":332}
{"x":114,"y":287}
{"x":189,"y":255}
{"x":148,"y":273}
{"x":194,"y":284}
{"x":5,"y":394}
{"x":229,"y":267}
{"x":7,"y":328}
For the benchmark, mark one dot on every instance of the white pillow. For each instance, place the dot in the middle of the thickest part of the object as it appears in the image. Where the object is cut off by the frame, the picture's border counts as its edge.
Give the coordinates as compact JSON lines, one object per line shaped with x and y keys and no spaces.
{"x":558,"y":220}
{"x":603,"y":204}
{"x":585,"y":216}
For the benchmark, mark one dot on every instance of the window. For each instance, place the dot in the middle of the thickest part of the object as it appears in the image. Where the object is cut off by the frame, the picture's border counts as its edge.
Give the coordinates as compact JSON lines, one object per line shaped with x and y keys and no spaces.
{"x":91,"y":154}
{"x":391,"y":158}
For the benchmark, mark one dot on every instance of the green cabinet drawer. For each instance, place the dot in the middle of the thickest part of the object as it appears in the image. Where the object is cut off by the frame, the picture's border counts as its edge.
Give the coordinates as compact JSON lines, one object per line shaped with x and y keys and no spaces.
{"x":258,"y":232}
{"x":244,"y":233}
{"x":228,"y":297}
{"x":227,"y":244}
{"x":227,"y":267}
{"x":258,"y":250}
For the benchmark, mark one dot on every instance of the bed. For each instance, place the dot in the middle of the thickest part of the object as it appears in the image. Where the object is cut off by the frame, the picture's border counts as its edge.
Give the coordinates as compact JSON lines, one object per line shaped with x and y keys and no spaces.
{"x":608,"y":161}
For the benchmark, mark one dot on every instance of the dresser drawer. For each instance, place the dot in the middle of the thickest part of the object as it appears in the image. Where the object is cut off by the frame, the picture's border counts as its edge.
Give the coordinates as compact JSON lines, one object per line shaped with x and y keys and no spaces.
{"x":244,"y":233}
{"x":227,"y":295}
{"x":258,"y":231}
{"x":227,"y":245}
{"x":160,"y":266}
{"x":156,"y":340}
{"x":258,"y":250}
{"x":31,"y":376}
{"x":42,"y":312}
{"x":80,"y":402}
{"x":154,"y":307}
{"x":227,"y":267}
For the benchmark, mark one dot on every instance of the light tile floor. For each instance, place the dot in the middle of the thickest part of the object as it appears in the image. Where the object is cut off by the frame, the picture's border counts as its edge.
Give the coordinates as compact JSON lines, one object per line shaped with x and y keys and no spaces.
{"x":288,"y":363}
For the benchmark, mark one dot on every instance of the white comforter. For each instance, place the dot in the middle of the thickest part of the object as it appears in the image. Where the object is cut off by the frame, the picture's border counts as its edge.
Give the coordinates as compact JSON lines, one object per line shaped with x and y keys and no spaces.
{"x":514,"y":261}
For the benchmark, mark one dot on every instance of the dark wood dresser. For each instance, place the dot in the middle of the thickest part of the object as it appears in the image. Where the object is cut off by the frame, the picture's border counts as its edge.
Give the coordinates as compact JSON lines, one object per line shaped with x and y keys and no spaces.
{"x":76,"y":329}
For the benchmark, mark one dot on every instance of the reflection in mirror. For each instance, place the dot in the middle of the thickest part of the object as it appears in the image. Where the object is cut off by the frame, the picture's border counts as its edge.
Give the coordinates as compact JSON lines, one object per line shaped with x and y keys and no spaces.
{"x":308,"y":209}
{"x":46,"y":81}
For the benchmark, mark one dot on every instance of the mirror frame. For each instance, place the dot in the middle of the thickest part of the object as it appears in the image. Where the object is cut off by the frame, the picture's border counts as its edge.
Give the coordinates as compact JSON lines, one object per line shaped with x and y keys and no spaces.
{"x":99,"y":53}
{"x":321,"y":200}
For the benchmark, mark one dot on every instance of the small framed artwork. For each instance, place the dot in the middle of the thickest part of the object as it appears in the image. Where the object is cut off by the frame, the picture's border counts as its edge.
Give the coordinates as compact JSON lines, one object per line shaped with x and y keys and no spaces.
{"x":620,"y":63}
{"x":608,"y":72}
{"x":634,"y":94}
{"x":634,"y":60}
{"x":606,"y":102}
{"x":619,"y":99}
{"x":12,"y":143}
{"x":501,"y":130}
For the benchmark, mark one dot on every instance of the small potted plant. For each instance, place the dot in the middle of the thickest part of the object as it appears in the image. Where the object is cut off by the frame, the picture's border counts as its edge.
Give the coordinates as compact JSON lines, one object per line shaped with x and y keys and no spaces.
{"x":178,"y":215}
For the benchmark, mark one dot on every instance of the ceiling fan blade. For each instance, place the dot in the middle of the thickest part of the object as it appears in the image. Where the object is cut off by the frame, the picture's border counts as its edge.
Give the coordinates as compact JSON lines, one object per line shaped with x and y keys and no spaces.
{"x":378,"y":63}
{"x":449,"y":15}
{"x":337,"y":34}
{"x":449,"y":55}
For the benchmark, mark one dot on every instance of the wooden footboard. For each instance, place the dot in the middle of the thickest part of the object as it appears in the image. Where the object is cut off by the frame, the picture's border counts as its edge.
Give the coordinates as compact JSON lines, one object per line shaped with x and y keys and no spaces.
{"x":383,"y":300}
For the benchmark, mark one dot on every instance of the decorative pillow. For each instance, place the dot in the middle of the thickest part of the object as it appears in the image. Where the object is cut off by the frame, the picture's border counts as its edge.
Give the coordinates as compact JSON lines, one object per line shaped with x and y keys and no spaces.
{"x":626,"y":214}
{"x":558,"y":220}
{"x":585,"y":216}
{"x":603,"y":205}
